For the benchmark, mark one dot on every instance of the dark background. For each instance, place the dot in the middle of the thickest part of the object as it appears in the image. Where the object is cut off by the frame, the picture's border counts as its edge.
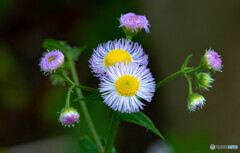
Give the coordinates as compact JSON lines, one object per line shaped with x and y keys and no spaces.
{"x":29,"y":103}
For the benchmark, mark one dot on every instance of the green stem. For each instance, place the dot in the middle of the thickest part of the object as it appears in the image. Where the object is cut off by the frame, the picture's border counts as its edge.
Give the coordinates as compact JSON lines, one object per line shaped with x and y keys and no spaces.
{"x":83,"y":106}
{"x":176,"y":74}
{"x":189,"y":84}
{"x":199,"y":68}
{"x":68,"y":96}
{"x":168,"y":79}
{"x":69,"y":81}
{"x":112,"y":132}
{"x":88,"y":89}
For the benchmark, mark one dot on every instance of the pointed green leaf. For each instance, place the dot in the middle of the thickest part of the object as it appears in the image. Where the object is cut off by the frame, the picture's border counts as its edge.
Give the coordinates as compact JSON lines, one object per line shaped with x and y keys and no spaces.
{"x":52,"y":44}
{"x":186,"y":62}
{"x":76,"y":52}
{"x":91,"y":98}
{"x":140,"y":119}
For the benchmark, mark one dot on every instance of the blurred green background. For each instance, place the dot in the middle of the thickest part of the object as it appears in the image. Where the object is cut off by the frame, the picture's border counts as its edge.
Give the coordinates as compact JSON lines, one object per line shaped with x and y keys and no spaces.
{"x":29,"y":103}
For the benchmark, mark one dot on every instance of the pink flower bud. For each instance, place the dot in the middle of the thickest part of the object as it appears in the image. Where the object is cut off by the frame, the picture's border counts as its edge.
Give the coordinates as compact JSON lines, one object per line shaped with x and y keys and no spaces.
{"x":52,"y":61}
{"x":69,"y":116}
{"x":134,"y":22}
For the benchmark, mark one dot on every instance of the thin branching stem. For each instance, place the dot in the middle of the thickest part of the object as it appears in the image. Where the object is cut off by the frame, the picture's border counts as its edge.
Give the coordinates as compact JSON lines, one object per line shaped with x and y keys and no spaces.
{"x":83,"y":105}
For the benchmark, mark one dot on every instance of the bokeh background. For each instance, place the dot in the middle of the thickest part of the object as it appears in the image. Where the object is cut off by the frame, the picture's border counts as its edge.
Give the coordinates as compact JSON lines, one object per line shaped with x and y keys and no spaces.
{"x":29,"y":102}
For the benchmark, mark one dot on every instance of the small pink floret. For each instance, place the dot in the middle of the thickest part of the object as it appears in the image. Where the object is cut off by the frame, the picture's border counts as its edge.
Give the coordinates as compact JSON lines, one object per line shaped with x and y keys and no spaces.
{"x":69,"y":117}
{"x":214,"y":60}
{"x":133,"y":21}
{"x":51,"y":61}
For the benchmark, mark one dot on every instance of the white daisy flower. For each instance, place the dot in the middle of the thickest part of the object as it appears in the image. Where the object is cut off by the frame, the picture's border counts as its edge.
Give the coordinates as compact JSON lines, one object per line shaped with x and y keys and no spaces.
{"x":125,"y":85}
{"x":112,"y":52}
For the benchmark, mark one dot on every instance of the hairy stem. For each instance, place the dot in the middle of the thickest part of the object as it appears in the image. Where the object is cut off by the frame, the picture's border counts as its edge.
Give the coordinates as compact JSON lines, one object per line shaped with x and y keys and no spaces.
{"x":112,"y":132}
{"x":84,"y":107}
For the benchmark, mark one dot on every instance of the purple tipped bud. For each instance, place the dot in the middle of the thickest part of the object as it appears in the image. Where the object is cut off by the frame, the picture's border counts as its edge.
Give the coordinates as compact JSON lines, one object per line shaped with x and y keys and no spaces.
{"x":212,"y":61}
{"x":69,"y":116}
{"x":134,"y":22}
{"x":52,"y":61}
{"x":195,"y":102}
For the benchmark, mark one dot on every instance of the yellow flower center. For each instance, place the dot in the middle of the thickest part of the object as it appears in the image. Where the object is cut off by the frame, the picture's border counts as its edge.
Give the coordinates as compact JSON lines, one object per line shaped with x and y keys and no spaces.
{"x":127,"y":85}
{"x":133,"y":18}
{"x":51,"y":59}
{"x":116,"y":55}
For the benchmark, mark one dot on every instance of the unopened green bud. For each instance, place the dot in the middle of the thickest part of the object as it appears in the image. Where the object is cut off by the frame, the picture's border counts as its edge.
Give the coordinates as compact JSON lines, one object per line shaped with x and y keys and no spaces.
{"x":203,"y":80}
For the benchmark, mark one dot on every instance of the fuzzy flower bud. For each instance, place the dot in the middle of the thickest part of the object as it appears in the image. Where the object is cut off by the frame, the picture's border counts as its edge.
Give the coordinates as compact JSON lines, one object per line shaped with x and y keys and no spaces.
{"x":133,"y":23}
{"x":69,"y":116}
{"x":204,"y":80}
{"x":195,"y":102}
{"x":211,"y":61}
{"x":52,"y":61}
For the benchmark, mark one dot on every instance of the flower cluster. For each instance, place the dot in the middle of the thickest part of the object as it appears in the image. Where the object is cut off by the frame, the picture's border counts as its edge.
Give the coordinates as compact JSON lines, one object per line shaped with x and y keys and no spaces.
{"x":211,"y":61}
{"x":125,"y":79}
{"x":52,"y":64}
{"x":121,"y":67}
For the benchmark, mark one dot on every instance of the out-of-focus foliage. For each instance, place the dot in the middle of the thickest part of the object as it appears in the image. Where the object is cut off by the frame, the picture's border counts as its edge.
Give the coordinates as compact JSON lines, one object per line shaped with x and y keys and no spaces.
{"x":88,"y":145}
{"x":197,"y":142}
{"x":16,"y":92}
{"x":4,"y":8}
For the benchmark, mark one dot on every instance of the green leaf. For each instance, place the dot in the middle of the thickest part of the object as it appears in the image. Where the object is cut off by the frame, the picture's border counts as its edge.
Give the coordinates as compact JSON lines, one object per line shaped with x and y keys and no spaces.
{"x":52,"y":44}
{"x":186,"y":62}
{"x":76,"y":52}
{"x":88,"y":145}
{"x":140,"y":119}
{"x":92,"y":98}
